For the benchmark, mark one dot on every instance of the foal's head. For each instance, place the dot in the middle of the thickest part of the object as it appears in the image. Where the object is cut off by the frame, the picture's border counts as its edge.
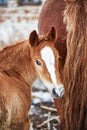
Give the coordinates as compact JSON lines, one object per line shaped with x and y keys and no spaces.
{"x":45,"y":59}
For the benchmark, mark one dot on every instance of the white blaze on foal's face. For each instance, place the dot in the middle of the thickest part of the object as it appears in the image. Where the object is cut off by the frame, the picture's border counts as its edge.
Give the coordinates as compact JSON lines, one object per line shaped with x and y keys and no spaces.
{"x":49,"y":58}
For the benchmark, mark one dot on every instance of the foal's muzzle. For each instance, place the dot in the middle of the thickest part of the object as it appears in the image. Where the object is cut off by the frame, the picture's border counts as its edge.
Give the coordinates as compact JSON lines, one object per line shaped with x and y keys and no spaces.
{"x":58,"y":92}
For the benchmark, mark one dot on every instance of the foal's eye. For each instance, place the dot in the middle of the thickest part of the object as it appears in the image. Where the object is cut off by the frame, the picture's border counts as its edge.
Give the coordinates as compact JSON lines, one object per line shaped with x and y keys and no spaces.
{"x":38,"y":62}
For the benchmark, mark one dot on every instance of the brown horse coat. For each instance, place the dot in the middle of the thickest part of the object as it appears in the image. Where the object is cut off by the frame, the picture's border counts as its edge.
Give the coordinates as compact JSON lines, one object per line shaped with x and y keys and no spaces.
{"x":15,"y":92}
{"x":20,"y":65}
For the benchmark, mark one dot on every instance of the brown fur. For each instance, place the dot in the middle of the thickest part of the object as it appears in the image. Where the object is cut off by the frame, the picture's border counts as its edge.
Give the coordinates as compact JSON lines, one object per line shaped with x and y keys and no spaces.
{"x":52,"y":16}
{"x":75,"y":70}
{"x":15,"y":91}
{"x":18,"y":70}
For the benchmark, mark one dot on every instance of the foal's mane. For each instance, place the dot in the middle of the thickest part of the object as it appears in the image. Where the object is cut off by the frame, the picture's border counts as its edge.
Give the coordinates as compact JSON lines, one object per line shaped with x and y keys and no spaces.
{"x":13,"y":46}
{"x":43,"y":39}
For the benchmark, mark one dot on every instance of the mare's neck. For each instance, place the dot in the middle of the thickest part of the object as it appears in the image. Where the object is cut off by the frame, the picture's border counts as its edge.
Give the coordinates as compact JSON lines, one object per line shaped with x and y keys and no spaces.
{"x":15,"y":60}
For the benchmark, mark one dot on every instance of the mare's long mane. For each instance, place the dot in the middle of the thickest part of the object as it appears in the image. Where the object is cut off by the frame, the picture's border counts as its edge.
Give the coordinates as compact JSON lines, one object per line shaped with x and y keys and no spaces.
{"x":76,"y":65}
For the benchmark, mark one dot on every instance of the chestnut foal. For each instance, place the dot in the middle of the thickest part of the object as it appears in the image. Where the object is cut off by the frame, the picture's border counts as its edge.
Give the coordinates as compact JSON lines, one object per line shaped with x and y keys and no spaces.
{"x":20,"y":65}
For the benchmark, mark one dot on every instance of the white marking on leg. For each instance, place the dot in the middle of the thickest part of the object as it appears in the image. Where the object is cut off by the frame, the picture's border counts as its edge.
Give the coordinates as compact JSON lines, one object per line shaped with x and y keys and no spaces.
{"x":49,"y":59}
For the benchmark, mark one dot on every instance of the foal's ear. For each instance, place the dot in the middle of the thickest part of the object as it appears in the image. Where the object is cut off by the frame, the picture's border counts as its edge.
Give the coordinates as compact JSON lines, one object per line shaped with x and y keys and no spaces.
{"x":33,"y":38}
{"x":51,"y":34}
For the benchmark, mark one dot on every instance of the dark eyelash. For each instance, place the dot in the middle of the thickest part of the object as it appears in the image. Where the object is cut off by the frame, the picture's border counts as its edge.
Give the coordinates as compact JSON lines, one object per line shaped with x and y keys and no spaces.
{"x":38,"y":62}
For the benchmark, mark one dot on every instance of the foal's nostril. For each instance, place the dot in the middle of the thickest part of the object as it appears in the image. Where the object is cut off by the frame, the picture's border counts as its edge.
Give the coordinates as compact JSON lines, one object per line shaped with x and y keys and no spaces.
{"x":58,"y":92}
{"x":54,"y":92}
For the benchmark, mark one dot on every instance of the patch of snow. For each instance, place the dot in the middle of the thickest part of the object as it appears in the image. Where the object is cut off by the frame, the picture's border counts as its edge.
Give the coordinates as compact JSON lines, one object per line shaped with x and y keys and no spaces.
{"x":17,"y":23}
{"x":12,"y":32}
{"x":41,"y":96}
{"x":39,"y":85}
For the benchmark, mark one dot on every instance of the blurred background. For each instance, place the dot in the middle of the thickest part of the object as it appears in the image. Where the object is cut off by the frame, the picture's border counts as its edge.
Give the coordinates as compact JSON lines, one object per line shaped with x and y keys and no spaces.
{"x":17,"y":19}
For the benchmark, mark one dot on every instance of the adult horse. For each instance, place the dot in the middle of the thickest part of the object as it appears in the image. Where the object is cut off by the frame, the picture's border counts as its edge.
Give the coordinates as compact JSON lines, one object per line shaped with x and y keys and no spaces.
{"x":75,"y":70}
{"x":20,"y":65}
{"x":52,"y":15}
{"x":75,"y":17}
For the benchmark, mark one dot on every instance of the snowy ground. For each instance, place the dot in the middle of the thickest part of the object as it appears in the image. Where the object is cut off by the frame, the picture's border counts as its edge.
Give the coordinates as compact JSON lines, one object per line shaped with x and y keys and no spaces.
{"x":16,"y":24}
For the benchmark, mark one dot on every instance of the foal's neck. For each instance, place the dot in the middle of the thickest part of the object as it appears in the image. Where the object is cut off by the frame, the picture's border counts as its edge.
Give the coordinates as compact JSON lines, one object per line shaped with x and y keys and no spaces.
{"x":15,"y":60}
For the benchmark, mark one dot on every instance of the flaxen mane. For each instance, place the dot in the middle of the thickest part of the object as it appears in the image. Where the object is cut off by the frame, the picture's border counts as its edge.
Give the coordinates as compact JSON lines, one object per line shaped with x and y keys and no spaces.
{"x":75,"y":71}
